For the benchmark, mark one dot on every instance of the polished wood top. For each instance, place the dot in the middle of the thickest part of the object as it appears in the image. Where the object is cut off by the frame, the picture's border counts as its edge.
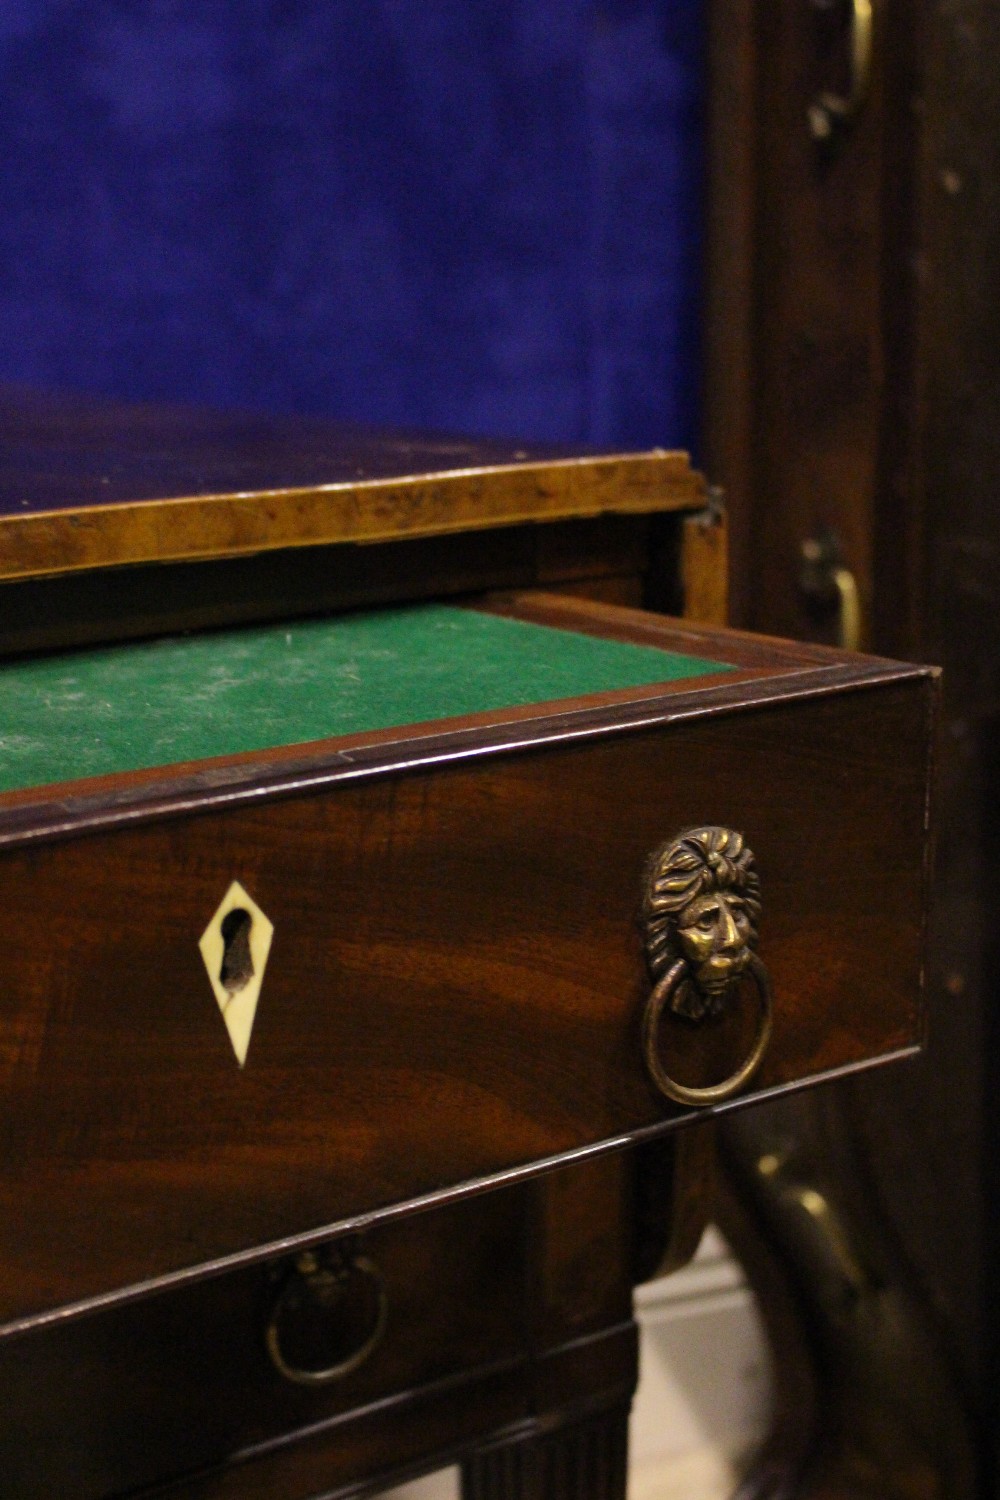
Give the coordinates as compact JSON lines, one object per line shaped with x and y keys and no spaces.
{"x":88,"y":484}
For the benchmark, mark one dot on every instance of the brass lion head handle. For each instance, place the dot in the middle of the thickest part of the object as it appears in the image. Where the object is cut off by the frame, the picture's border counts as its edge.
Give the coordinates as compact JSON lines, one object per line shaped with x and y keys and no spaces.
{"x":700,"y":913}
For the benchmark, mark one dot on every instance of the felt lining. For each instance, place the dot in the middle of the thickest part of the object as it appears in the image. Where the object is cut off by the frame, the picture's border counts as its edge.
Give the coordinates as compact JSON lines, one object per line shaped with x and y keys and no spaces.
{"x":95,"y":712}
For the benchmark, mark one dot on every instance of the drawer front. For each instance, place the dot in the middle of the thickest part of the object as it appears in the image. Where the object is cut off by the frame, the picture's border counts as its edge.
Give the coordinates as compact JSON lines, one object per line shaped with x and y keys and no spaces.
{"x":183,"y":1381}
{"x":477,"y":1305}
{"x":455,"y":986}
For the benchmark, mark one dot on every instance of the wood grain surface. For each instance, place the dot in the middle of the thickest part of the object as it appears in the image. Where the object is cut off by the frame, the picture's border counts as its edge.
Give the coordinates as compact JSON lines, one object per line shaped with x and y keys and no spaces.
{"x":511,"y":1306}
{"x":455,"y":984}
{"x":86,"y":485}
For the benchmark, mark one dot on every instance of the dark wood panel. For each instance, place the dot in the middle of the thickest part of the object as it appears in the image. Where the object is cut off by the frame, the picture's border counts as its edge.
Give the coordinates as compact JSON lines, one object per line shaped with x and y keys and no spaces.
{"x":371,"y":1449}
{"x":384,"y":1444}
{"x":182,"y":1381}
{"x":498,"y":1305}
{"x":888,"y":242}
{"x":454,"y":989}
{"x":634,"y":553}
{"x":813,"y":274}
{"x":945,"y":1113}
{"x":585,"y":1460}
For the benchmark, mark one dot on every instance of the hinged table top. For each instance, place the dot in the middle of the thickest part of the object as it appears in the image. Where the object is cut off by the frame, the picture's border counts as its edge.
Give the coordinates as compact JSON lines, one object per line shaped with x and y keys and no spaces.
{"x":88,"y":484}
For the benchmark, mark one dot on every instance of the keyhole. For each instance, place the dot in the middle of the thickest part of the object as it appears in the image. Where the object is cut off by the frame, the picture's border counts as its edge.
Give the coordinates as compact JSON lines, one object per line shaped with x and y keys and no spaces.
{"x":237,"y":963}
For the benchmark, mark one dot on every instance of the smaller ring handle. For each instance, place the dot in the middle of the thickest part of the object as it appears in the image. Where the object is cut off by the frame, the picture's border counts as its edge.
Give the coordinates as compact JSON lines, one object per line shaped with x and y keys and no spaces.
{"x":320,"y":1282}
{"x":713,"y":1093}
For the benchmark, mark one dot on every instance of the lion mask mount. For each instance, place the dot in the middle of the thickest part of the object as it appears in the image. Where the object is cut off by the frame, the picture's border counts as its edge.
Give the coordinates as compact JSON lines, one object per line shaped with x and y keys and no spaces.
{"x":702,"y":910}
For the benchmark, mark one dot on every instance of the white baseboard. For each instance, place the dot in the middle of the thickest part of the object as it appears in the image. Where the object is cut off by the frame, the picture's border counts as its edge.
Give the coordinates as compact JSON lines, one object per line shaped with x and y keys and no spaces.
{"x":705,"y":1474}
{"x":704,"y":1381}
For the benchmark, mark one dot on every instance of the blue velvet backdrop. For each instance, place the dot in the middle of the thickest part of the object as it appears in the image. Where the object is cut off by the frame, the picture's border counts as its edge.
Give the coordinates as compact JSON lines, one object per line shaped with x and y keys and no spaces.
{"x":471,"y":214}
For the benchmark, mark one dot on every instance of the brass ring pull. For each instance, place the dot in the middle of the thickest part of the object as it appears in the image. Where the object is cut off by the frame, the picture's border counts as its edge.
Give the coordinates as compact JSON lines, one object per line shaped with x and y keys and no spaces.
{"x":827,"y":585}
{"x":848,"y":610}
{"x":831,"y":111}
{"x":322,"y":1285}
{"x":701,"y":910}
{"x":714,"y":1093}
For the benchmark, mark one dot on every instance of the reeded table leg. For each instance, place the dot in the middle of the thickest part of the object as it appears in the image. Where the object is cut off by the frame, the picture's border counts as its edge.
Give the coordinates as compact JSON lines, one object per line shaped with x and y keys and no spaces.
{"x":585,"y":1460}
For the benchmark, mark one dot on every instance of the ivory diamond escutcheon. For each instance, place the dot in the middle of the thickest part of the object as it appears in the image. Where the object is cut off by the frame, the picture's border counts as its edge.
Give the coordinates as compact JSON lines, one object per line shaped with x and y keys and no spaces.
{"x":234,"y":947}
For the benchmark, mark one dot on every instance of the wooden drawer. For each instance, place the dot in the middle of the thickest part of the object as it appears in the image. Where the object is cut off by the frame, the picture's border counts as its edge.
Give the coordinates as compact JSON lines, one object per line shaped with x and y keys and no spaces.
{"x":475,"y":1317}
{"x":182,"y":1381}
{"x":455,"y":990}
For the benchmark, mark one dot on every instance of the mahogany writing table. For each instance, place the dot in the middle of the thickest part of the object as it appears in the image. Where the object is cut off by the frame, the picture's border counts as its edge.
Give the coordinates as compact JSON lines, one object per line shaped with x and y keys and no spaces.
{"x":361,"y":965}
